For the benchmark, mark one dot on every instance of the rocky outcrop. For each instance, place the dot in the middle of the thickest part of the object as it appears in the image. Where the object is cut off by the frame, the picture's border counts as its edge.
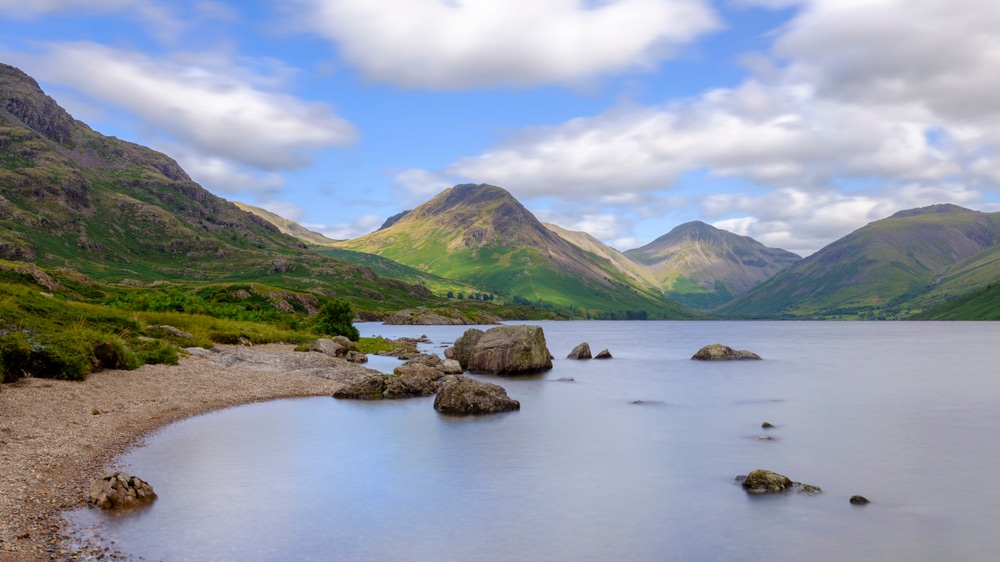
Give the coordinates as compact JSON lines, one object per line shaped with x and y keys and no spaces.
{"x":463,"y":395}
{"x":603,"y":354}
{"x":462,"y":349}
{"x":439,"y":317}
{"x":117,"y":490}
{"x":181,"y":334}
{"x":510,"y":350}
{"x":719,"y":352}
{"x":581,"y":351}
{"x":407,"y":381}
{"x":767,"y":482}
{"x":366,"y":386}
{"x":340,"y":347}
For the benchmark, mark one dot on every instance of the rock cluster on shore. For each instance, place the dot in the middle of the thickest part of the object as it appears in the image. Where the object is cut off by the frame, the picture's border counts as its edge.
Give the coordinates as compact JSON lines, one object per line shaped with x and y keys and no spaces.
{"x":117,"y":490}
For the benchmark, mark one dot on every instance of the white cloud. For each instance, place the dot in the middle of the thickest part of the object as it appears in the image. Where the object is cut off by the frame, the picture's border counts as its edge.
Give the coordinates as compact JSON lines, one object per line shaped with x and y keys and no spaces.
{"x":216,"y":108}
{"x":482,"y":43}
{"x":802,"y":221}
{"x":284,"y":209}
{"x":422,"y":183}
{"x":779,"y":135}
{"x":358,"y":227}
{"x":222,"y":175}
{"x":942,"y":55}
{"x":885,"y":93}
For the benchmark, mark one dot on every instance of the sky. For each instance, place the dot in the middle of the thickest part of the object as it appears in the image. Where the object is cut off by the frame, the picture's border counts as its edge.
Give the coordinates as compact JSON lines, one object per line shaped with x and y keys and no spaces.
{"x":794,"y":122}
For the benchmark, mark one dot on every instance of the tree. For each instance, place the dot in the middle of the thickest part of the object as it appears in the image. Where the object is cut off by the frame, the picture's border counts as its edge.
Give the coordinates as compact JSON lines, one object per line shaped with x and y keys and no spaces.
{"x":336,"y":318}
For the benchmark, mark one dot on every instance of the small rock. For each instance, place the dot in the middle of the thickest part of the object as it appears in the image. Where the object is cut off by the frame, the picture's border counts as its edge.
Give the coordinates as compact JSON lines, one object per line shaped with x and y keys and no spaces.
{"x":767,"y":425}
{"x":765,"y":438}
{"x":565,"y":379}
{"x":117,"y":490}
{"x":603,"y":354}
{"x":356,"y":357}
{"x":859,"y":500}
{"x":581,"y":351}
{"x":95,"y":412}
{"x":767,"y":482}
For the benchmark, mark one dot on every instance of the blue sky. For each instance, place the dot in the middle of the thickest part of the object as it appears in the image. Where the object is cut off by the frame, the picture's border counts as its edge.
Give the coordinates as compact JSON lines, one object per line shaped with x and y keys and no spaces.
{"x":791,"y":121}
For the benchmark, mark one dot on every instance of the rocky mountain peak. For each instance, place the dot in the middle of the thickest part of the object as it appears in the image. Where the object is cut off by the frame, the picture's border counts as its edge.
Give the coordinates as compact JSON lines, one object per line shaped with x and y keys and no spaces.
{"x":22,"y":98}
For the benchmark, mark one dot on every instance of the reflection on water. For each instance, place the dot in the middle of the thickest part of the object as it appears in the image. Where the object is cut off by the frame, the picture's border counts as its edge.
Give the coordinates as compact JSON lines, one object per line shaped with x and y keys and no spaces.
{"x":904,"y":414}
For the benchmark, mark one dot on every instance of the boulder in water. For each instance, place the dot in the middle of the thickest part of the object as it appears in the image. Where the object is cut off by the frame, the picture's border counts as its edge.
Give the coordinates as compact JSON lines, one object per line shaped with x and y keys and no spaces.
{"x":510,"y":350}
{"x":603,"y":354}
{"x":581,"y":351}
{"x":459,"y":394}
{"x":719,"y":352}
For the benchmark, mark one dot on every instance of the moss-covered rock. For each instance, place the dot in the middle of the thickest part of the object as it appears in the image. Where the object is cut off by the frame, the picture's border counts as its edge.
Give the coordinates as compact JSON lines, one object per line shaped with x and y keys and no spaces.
{"x":719,"y":352}
{"x":510,"y":350}
{"x":464,"y":395}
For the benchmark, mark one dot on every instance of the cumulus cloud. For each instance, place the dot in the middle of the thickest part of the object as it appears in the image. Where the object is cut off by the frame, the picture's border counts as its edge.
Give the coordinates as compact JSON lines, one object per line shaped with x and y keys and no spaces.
{"x":770,"y":135}
{"x":219,"y":109}
{"x":222,"y":175}
{"x":940,"y":55}
{"x":897,"y":95}
{"x":803,"y":221}
{"x":459,"y":45}
{"x":358,"y":227}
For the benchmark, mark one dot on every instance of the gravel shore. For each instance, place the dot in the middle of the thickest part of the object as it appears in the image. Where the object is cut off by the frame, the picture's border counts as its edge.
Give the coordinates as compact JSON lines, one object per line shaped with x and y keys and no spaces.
{"x":57,"y":436}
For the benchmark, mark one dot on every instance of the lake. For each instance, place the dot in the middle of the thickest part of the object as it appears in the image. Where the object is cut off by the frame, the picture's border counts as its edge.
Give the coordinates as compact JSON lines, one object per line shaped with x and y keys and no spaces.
{"x":904,"y":413}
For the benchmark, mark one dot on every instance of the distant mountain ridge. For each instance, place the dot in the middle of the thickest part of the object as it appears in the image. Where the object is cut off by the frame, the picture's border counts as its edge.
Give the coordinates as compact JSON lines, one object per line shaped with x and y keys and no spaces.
{"x":482,"y":235}
{"x":703,"y":267}
{"x":911,"y":260}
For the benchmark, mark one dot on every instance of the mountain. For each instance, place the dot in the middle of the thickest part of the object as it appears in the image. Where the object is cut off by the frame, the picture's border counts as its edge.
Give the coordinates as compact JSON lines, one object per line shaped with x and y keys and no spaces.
{"x":638,"y":272}
{"x":703,"y":267}
{"x":73,"y":199}
{"x":286,"y":226}
{"x":481,"y":235}
{"x":895,"y":265}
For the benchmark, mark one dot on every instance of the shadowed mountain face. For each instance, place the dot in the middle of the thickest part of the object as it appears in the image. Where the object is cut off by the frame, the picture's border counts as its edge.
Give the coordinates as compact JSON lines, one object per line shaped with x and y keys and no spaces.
{"x":73,"y":198}
{"x":909,"y":259}
{"x":703,"y":267}
{"x":480,"y":234}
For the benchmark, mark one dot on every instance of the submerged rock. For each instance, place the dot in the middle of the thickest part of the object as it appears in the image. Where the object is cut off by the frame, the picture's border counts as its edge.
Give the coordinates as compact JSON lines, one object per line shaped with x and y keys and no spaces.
{"x":464,"y":395}
{"x":767,"y":482}
{"x":581,"y":351}
{"x":859,"y":500}
{"x":719,"y":352}
{"x":117,"y":490}
{"x":510,"y":350}
{"x":767,"y":425}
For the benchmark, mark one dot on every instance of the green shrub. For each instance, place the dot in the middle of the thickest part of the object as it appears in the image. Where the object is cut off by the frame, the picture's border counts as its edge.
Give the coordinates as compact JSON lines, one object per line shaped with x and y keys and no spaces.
{"x":336,"y":318}
{"x":159,"y":352}
{"x":15,"y":356}
{"x":112,"y":354}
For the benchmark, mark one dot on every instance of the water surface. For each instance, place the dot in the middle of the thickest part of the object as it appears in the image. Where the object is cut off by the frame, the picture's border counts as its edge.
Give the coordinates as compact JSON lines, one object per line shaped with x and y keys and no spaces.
{"x":904,"y":413}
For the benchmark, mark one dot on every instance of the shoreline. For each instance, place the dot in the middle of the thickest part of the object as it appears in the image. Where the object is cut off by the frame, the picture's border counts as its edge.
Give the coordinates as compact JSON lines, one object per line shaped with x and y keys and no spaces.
{"x":57,"y":436}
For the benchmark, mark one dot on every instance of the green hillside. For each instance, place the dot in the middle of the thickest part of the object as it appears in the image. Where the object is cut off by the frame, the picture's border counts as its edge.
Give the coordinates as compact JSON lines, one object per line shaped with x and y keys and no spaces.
{"x":892,"y":266}
{"x":482,"y":236}
{"x":116,"y":212}
{"x":704,"y":267}
{"x":982,"y":304}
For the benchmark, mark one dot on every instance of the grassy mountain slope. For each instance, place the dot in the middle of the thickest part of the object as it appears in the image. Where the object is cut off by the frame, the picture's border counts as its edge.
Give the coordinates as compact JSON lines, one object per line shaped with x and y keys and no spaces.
{"x":481,"y":235}
{"x":638,"y":272}
{"x":884,"y":265}
{"x":73,"y":199}
{"x":286,"y":226}
{"x":703,"y":267}
{"x":981,"y":304}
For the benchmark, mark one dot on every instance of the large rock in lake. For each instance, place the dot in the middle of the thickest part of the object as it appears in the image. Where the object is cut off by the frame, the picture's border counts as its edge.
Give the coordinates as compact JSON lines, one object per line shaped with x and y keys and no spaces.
{"x":510,"y":350}
{"x":463,"y":347}
{"x":719,"y":352}
{"x":117,"y":490}
{"x":463,"y":395}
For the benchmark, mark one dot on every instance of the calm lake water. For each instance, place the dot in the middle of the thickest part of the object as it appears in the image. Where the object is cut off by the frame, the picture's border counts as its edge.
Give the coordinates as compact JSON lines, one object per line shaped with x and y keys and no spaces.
{"x":906,"y":414}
